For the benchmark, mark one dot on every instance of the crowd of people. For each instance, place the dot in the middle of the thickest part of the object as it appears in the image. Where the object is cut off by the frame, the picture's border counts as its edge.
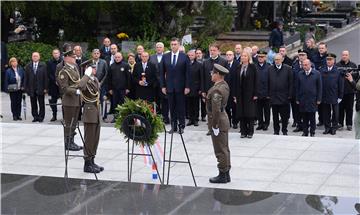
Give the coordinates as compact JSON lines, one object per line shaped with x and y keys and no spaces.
{"x":177,"y":83}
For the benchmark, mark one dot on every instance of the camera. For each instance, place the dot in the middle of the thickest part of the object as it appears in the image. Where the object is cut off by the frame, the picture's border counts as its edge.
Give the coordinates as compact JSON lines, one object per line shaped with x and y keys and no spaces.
{"x":353,"y":71}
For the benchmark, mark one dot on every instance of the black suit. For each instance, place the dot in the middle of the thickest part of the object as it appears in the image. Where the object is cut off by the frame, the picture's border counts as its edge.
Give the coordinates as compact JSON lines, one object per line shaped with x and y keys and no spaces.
{"x":231,"y":106}
{"x":208,"y":66}
{"x":193,"y":98}
{"x":53,"y":87}
{"x":35,"y":83}
{"x":104,"y":53}
{"x":145,"y":92}
{"x":160,"y":98}
{"x":175,"y":78}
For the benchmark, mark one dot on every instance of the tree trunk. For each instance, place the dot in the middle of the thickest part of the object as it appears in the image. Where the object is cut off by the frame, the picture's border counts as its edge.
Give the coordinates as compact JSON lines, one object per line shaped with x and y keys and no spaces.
{"x":244,"y":11}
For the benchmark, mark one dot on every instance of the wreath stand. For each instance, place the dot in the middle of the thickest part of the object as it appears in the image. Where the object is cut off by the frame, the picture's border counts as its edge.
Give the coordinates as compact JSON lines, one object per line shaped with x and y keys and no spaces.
{"x":66,"y":151}
{"x":176,"y":161}
{"x":137,"y":132}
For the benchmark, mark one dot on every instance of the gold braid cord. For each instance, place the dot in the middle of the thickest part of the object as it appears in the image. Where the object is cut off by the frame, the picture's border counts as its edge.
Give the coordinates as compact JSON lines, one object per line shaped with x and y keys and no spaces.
{"x":94,"y":93}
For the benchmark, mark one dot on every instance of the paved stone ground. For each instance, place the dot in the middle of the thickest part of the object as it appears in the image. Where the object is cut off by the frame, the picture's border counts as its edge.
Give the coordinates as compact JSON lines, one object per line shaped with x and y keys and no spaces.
{"x":320,"y":165}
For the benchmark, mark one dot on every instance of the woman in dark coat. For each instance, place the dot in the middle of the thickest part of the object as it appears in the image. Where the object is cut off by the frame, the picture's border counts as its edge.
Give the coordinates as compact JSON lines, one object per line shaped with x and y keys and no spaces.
{"x":14,"y":85}
{"x":145,"y":81}
{"x":245,"y":94}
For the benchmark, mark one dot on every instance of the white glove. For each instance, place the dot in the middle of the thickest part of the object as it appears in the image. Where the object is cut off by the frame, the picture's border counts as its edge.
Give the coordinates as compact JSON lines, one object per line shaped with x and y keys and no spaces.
{"x":88,"y":71}
{"x":339,"y":100}
{"x":77,"y":92}
{"x":216,"y":131}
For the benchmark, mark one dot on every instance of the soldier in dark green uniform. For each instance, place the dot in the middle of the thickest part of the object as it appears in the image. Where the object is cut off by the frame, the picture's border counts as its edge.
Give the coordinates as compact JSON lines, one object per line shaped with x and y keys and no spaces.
{"x":218,"y":122}
{"x":68,"y":79}
{"x":90,"y":95}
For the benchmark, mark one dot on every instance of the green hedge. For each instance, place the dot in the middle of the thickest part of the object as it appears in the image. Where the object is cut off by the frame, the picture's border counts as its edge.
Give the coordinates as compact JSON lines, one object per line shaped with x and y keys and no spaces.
{"x":23,"y":50}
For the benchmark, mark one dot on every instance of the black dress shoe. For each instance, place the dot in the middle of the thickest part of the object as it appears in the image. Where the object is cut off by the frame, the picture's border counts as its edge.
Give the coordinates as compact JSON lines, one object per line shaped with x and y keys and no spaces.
{"x":243,"y":136}
{"x":297,"y":129}
{"x":189,"y":123}
{"x":173,"y":130}
{"x":305,"y":134}
{"x":235,"y":126}
{"x":19,"y":118}
{"x":333,"y":131}
{"x":265,"y":128}
{"x":181,"y":130}
{"x":15,"y":118}
{"x":327,"y":131}
{"x":276,"y":133}
{"x":203,"y":119}
{"x":285,"y":133}
{"x":97,"y":166}
{"x":312,"y":135}
{"x":167,"y":122}
{"x":260,"y":127}
{"x":196,"y":123}
{"x":320,"y":124}
{"x":35,"y":120}
{"x":90,"y":168}
{"x":208,"y":133}
{"x":294,"y":125}
{"x":220,"y":179}
{"x":41,"y":120}
{"x":53,"y":119}
{"x":349,"y":127}
{"x":249,"y":136}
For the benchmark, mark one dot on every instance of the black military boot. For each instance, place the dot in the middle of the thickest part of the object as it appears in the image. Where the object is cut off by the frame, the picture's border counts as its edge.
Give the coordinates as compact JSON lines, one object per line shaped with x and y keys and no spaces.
{"x":220,"y":179}
{"x":228,"y":176}
{"x":90,"y":168}
{"x":97,"y":166}
{"x":72,"y":146}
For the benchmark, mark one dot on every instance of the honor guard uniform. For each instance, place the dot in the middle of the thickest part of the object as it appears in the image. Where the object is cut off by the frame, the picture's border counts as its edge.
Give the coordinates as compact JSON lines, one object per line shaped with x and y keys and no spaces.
{"x":68,"y":80}
{"x":218,"y":122}
{"x":90,"y":95}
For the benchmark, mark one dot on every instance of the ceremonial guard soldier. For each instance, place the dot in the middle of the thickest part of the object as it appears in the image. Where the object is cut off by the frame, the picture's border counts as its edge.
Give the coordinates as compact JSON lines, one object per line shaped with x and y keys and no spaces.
{"x":218,"y":122}
{"x":90,"y":95}
{"x":68,"y":79}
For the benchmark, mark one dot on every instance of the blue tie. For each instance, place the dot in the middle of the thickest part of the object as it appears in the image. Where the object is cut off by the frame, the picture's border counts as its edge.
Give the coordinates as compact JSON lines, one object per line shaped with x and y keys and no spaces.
{"x":174,"y":60}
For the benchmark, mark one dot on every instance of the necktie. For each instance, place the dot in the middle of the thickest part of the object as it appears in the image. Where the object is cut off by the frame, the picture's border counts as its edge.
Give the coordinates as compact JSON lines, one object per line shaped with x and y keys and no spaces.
{"x":35,"y":68}
{"x":229,"y":65}
{"x":144,"y":66}
{"x":174,"y":60}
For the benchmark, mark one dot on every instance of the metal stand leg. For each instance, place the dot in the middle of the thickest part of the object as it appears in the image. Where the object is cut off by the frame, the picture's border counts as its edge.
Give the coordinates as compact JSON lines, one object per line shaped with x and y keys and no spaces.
{"x":176,"y":161}
{"x":188,"y":159}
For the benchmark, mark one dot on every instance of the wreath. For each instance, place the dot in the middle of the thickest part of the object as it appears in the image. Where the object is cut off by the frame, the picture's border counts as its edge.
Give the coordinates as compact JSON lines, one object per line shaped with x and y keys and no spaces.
{"x":137,"y":120}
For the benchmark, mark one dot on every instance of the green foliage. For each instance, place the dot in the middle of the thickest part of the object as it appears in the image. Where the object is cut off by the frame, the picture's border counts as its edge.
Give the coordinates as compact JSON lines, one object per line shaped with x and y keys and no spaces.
{"x":23,"y":51}
{"x":144,"y":109}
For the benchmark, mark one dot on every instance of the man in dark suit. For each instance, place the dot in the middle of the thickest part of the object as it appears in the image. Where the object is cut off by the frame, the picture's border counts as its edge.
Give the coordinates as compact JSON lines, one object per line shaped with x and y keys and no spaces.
{"x":332,"y":94}
{"x":36,"y":86}
{"x":231,"y":65}
{"x":53,"y":87}
{"x":238,"y":50}
{"x":175,"y":82}
{"x":119,"y":80}
{"x":139,"y":50}
{"x":145,"y":81}
{"x":308,"y":96}
{"x":280,"y":92}
{"x":80,"y":58}
{"x":276,"y":36}
{"x":110,"y":58}
{"x":288,"y":61}
{"x":160,"y":99}
{"x":263,"y":102}
{"x":105,"y":49}
{"x":193,"y":97}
